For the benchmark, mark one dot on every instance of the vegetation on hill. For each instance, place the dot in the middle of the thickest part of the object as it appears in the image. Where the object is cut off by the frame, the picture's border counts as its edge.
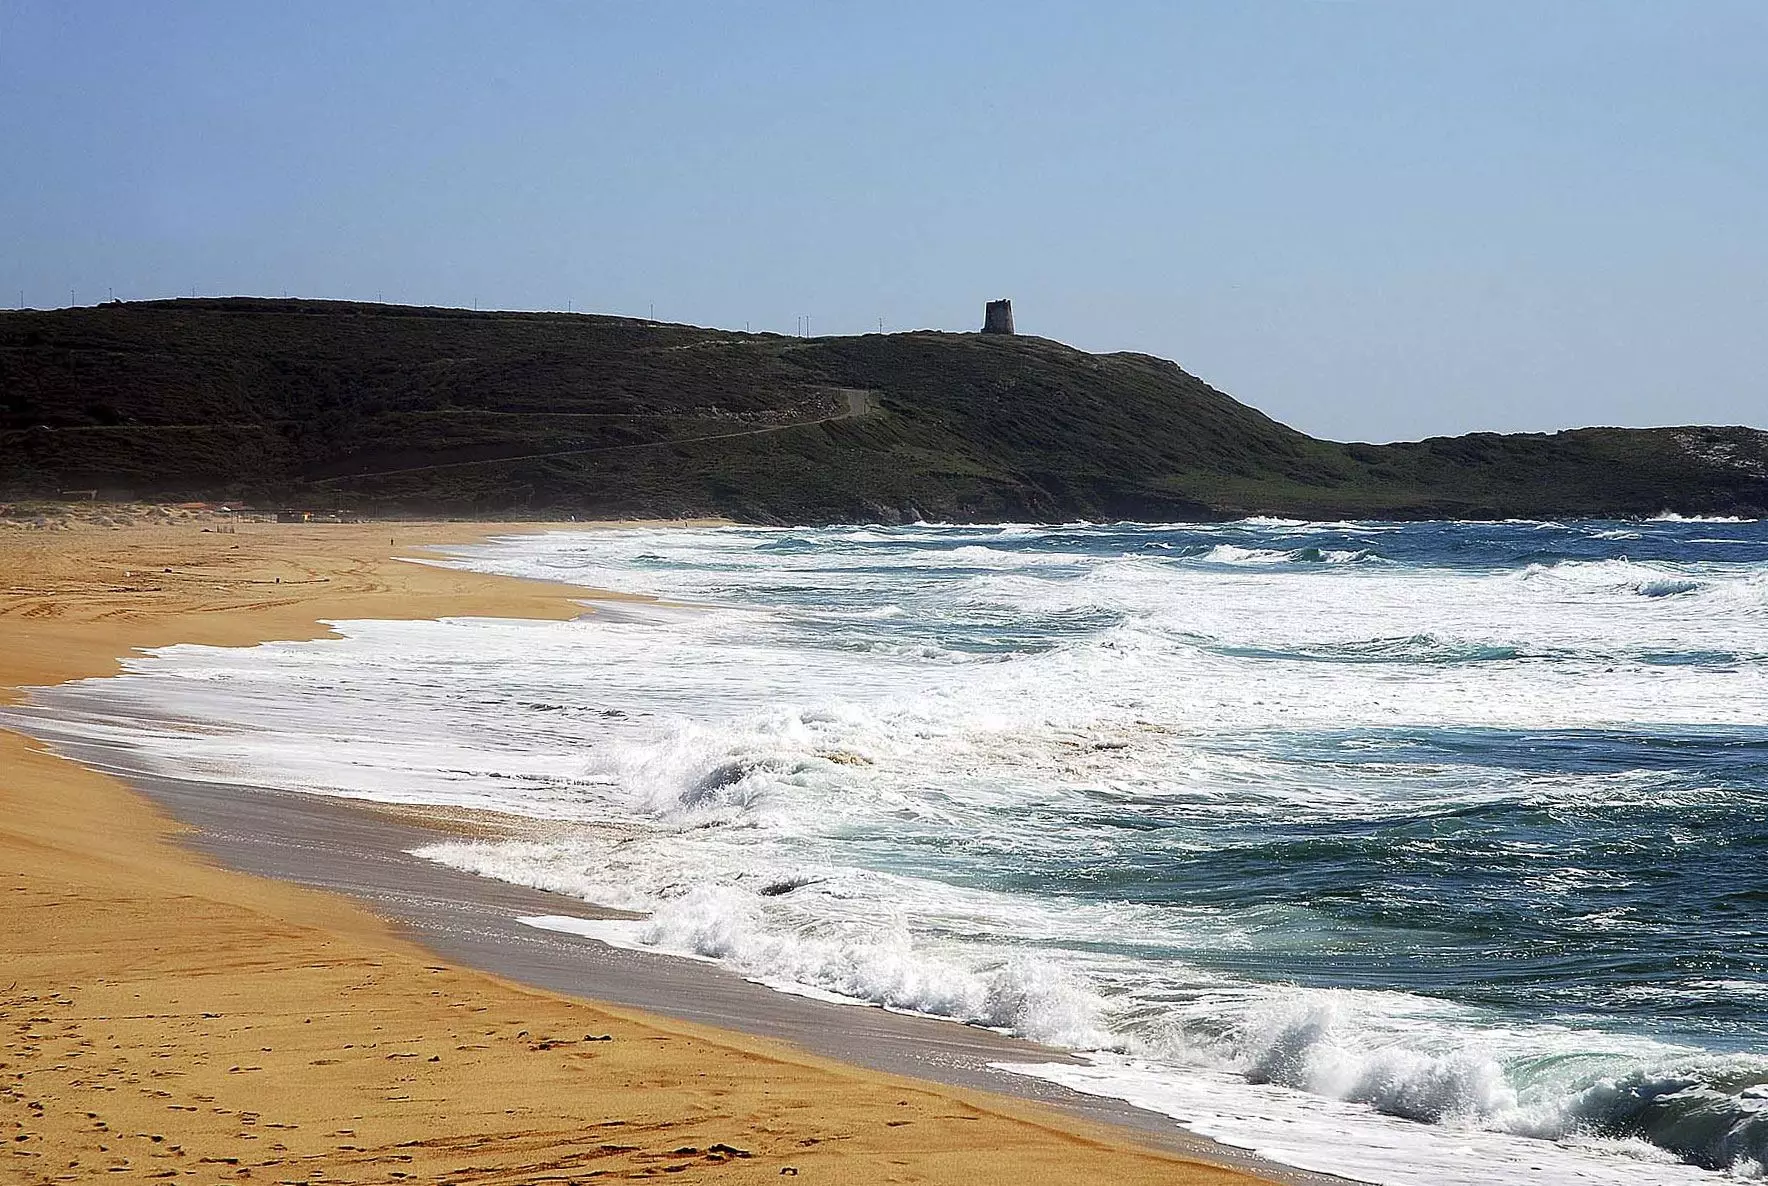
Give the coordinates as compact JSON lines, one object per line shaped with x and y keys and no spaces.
{"x":389,"y":409}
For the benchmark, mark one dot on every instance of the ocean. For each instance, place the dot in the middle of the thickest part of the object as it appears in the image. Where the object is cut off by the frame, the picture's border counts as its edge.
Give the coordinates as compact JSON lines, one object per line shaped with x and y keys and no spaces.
{"x":1419,"y":853}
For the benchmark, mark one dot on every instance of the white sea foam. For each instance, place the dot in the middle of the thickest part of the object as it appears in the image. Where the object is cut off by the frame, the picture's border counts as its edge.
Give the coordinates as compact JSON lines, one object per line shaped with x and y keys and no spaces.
{"x":1330,"y":1136}
{"x":1269,"y":521}
{"x":1234,"y":554}
{"x":1021,"y":994}
{"x":845,"y":786}
{"x":1673,"y":517}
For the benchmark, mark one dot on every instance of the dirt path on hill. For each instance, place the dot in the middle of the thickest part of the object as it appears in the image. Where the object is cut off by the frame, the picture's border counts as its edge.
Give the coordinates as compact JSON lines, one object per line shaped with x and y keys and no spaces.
{"x":859,"y":404}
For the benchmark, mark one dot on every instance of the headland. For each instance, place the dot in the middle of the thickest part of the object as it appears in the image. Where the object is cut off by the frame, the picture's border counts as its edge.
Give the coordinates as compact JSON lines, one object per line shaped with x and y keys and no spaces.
{"x":377,"y":410}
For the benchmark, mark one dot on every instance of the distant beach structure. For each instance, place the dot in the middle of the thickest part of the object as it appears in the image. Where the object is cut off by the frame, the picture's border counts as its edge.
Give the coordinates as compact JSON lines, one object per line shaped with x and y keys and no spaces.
{"x":997,"y":318}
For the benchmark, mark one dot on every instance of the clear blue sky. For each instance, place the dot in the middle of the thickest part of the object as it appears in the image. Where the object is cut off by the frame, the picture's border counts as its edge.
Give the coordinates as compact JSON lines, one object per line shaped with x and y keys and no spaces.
{"x":1374,"y":219}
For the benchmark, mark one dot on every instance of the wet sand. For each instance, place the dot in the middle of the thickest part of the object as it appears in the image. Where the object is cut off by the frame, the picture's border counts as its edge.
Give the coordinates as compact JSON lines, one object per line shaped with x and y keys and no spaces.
{"x":168,"y":1015}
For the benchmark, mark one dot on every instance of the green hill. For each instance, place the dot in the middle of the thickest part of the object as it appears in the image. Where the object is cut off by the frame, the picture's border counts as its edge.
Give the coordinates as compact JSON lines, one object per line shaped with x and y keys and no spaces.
{"x":389,"y":409}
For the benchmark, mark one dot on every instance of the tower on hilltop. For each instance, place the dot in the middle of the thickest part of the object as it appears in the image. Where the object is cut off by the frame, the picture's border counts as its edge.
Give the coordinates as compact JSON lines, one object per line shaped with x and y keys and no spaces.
{"x":997,"y":318}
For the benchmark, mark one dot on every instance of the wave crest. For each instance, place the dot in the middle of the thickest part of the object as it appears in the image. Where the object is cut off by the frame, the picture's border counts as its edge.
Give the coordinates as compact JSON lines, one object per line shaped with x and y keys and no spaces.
{"x":1027,"y":996}
{"x":1710,"y":1111}
{"x":1234,"y":554}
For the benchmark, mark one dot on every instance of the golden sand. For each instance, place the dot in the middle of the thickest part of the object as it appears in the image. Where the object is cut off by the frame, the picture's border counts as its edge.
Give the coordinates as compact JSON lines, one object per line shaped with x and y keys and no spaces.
{"x":161,"y":1017}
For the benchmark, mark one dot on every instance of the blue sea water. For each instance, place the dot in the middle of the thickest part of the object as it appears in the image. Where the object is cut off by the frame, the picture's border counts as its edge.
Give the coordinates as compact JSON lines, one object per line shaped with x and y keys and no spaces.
{"x":1428,"y":852}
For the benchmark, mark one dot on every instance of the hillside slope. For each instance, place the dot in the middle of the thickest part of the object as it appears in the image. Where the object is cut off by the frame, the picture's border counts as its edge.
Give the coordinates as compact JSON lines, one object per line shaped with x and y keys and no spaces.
{"x":391,"y":408}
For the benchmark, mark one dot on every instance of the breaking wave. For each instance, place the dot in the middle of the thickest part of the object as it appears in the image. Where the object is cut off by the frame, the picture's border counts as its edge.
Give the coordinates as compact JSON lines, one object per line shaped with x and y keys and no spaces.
{"x":1449,"y":828}
{"x":1673,"y":517}
{"x":1709,"y":1111}
{"x":1235,"y":554}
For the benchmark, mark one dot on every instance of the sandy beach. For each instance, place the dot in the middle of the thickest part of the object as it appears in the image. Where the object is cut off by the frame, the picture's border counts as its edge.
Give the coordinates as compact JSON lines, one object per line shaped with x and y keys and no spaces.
{"x":165,"y":1017}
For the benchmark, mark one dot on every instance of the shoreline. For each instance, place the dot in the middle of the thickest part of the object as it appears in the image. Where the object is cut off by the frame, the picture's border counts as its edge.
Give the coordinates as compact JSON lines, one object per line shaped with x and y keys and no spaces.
{"x":83,"y":628}
{"x":362,"y":850}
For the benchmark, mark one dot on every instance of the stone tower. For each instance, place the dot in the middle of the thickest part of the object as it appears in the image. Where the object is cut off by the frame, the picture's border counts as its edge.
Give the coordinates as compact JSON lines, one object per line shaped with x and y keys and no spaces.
{"x":997,"y":318}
